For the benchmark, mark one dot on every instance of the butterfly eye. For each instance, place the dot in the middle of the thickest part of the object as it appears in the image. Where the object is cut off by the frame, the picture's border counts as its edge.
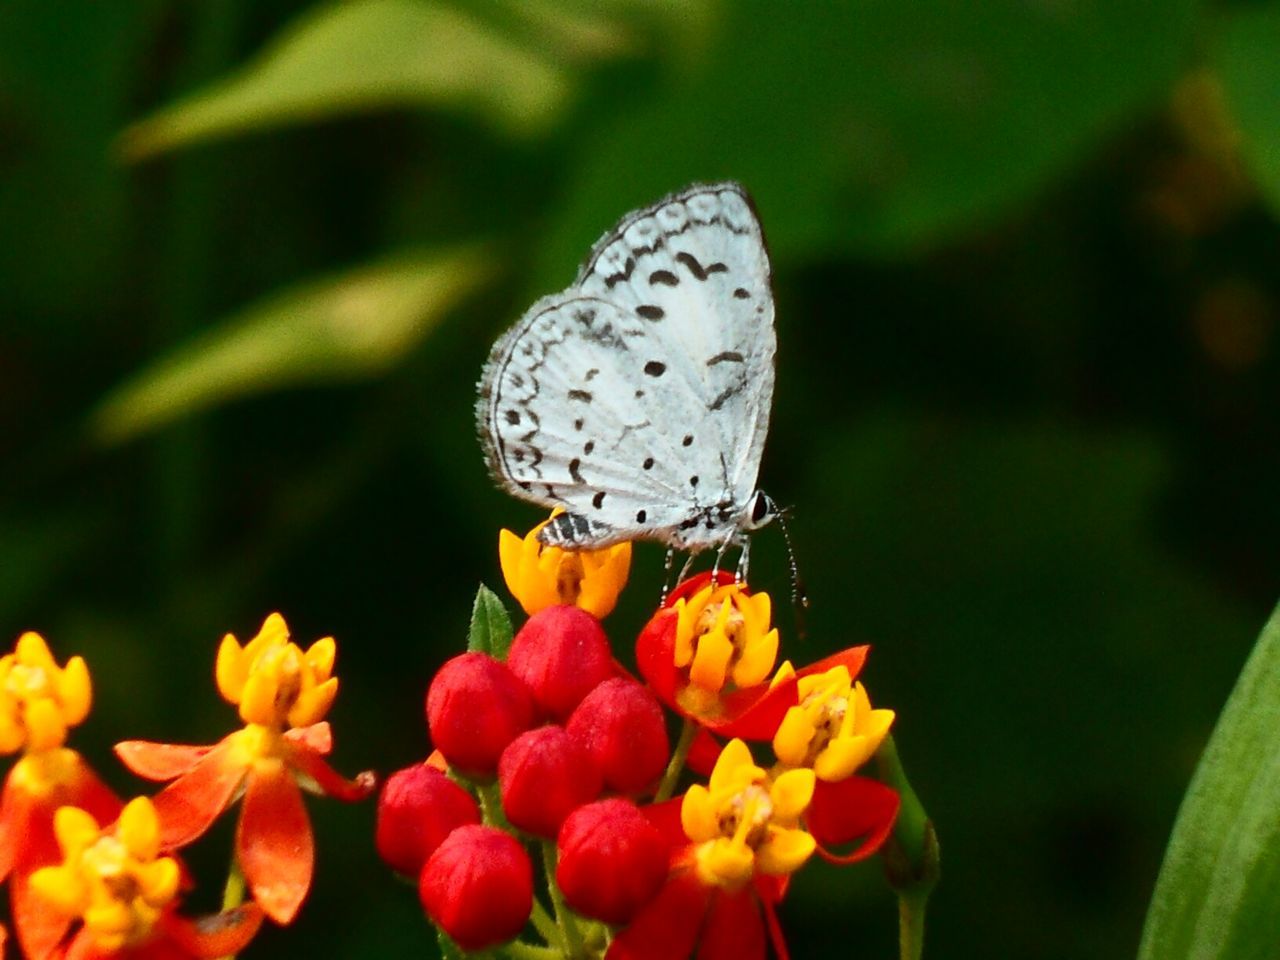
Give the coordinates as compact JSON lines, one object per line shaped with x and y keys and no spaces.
{"x":762,"y":509}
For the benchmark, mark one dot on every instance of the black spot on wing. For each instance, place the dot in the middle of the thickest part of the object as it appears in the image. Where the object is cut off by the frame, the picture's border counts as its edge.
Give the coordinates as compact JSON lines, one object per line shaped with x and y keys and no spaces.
{"x":688,"y":440}
{"x":717,"y":268}
{"x":598,"y":500}
{"x":664,"y":277}
{"x":588,"y":447}
{"x":582,"y":395}
{"x":728,"y":356}
{"x":690,"y":261}
{"x":648,"y":463}
{"x":513,"y":417}
{"x":574,"y":472}
{"x":742,"y":294}
{"x":651,"y":311}
{"x":655,"y":368}
{"x":641,"y":516}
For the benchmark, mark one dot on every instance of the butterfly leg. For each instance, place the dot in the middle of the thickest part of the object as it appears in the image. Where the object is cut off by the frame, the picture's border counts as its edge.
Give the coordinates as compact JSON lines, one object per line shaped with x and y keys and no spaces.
{"x":667,"y":567}
{"x":744,"y":561}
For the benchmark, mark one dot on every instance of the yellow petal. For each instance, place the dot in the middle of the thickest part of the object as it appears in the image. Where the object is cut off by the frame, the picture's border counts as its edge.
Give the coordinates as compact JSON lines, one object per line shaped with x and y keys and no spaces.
{"x":257,"y":700}
{"x":274,"y":630}
{"x":756,"y":660}
{"x":792,"y":739}
{"x":791,"y":794}
{"x":75,"y":690}
{"x":320,"y":657}
{"x":698,"y":814}
{"x":312,"y":705}
{"x":46,"y":726}
{"x":841,"y":757}
{"x":231,"y":669}
{"x":139,"y":829}
{"x":785,"y":673}
{"x":785,"y":851}
{"x":32,"y":651}
{"x":75,"y":829}
{"x":158,"y":881}
{"x":62,"y":887}
{"x":725,"y":863}
{"x":12,"y":734}
{"x":735,"y":756}
{"x":711,"y":660}
{"x":110,"y":919}
{"x":756,"y":610}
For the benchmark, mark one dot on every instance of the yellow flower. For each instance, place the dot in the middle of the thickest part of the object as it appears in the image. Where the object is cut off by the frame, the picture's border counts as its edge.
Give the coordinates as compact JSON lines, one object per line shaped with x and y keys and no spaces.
{"x":745,"y":821}
{"x":540,"y":576}
{"x":833,"y":730}
{"x":273,"y":681}
{"x":723,"y":634}
{"x":113,"y":879}
{"x":39,"y":700}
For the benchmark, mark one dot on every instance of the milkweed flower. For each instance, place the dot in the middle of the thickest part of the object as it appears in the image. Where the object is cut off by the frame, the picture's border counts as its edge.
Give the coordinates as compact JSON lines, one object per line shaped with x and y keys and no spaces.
{"x":833,"y":728}
{"x":39,"y":703}
{"x":478,"y":886}
{"x":124,"y":893}
{"x":540,"y":576}
{"x":418,"y":808}
{"x":282,"y":694}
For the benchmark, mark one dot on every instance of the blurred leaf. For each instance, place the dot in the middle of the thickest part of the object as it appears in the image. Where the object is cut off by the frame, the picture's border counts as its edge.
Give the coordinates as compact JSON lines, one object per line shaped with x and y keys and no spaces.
{"x":1220,"y":882}
{"x":490,"y":630}
{"x":873,"y":126}
{"x":351,"y":326}
{"x":361,"y":56}
{"x":1248,"y":57}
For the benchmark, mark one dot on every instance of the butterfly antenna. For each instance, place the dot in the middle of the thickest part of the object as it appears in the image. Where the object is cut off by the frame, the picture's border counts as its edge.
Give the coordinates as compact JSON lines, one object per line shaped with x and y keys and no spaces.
{"x":799,"y":596}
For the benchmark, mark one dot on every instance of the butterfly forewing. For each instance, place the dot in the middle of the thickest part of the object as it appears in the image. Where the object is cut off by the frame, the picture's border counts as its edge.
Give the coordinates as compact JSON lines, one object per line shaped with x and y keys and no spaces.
{"x":639,"y":398}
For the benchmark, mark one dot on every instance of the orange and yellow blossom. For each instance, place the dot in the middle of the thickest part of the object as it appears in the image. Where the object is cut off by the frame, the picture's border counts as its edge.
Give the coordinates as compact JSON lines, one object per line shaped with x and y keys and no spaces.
{"x":39,"y":703}
{"x":833,"y":729}
{"x":282,"y":693}
{"x":124,"y":893}
{"x":540,"y":576}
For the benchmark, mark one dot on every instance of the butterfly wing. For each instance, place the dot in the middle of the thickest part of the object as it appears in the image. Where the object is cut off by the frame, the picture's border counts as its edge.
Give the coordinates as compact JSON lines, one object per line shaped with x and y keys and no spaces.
{"x":639,"y":398}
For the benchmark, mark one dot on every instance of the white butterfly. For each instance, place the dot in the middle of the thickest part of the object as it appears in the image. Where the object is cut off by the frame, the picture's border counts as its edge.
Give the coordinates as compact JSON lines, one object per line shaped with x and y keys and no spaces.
{"x":638,"y":399}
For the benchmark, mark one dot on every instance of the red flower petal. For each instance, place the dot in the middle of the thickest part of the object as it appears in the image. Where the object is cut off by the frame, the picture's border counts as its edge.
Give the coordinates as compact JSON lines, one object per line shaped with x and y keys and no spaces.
{"x":159,"y":761}
{"x":274,"y":844}
{"x":189,"y":805}
{"x":756,"y":712}
{"x":703,"y":753}
{"x":656,"y":655}
{"x":853,"y":808}
{"x":667,"y":929}
{"x":734,"y":929}
{"x":219,"y":935}
{"x":318,"y":737}
{"x":666,"y":817}
{"x":852,"y":657}
{"x":309,"y":763}
{"x":687,"y":588}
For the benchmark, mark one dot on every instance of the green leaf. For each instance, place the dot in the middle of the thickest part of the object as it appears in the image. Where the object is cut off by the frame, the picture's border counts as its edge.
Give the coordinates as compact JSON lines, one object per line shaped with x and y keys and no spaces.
{"x":340,"y":328}
{"x":1248,"y":56}
{"x":878,"y":127}
{"x":1220,"y":882}
{"x":490,"y":630}
{"x":367,"y":55}
{"x":448,"y":949}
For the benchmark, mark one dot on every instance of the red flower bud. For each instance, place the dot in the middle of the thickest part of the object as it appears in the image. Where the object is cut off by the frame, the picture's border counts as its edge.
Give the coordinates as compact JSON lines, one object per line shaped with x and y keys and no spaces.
{"x":612,"y":860}
{"x":545,"y":774}
{"x":562,"y":654}
{"x":475,"y":707}
{"x":418,"y":807}
{"x":620,"y":723}
{"x":478,"y":886}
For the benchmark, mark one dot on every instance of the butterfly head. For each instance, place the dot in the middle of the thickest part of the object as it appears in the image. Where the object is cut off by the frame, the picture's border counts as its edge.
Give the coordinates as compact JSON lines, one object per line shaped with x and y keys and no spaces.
{"x":761,"y":511}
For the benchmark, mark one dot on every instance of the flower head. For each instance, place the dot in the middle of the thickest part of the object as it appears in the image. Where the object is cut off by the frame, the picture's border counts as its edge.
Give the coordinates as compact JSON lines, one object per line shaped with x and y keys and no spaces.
{"x":746,"y":821}
{"x":39,"y":700}
{"x":833,"y":729}
{"x":723,"y":637}
{"x":418,"y":808}
{"x":620,"y":724}
{"x":282,"y":691}
{"x":540,"y":576}
{"x":475,"y":707}
{"x":124,"y":893}
{"x":545,"y":774}
{"x":562,"y":654}
{"x":478,"y":886}
{"x":612,"y":860}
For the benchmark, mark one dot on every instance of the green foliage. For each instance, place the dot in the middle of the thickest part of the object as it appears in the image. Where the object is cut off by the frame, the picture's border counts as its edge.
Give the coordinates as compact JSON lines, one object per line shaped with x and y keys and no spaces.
{"x":352,"y":325}
{"x":1218,"y":888}
{"x":490,"y":630}
{"x":1250,"y":71}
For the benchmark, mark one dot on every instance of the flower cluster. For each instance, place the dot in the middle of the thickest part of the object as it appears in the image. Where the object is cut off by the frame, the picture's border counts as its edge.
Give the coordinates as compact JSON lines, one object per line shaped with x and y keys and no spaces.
{"x":546,"y":741}
{"x":92,"y":877}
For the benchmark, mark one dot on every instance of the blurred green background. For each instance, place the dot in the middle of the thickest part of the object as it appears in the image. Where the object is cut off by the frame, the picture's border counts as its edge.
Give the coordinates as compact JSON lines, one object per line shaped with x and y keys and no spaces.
{"x":254,"y":252}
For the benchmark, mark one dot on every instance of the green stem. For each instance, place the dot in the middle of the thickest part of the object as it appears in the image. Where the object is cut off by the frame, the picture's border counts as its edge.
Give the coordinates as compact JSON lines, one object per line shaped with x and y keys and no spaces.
{"x":545,"y":924}
{"x":519,"y":950}
{"x":678,"y":757}
{"x":567,"y":922}
{"x":911,"y":855}
{"x":233,"y":892}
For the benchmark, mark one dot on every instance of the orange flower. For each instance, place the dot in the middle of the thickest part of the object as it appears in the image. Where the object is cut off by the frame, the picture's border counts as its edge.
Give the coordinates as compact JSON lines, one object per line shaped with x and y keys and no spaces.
{"x":124,"y":893}
{"x":282,"y":693}
{"x":540,"y":576}
{"x":39,"y":702}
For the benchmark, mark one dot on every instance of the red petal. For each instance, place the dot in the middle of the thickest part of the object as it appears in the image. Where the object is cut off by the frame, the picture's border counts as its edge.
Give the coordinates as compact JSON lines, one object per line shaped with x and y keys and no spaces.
{"x":82,"y":948}
{"x":317,"y":737}
{"x":189,"y":805}
{"x":656,"y":656}
{"x":853,"y":808}
{"x":274,"y":844}
{"x":666,"y":817}
{"x":756,"y":712}
{"x":15,"y":806}
{"x":219,"y":935}
{"x":703,"y":753}
{"x":852,"y":657}
{"x":159,"y":761}
{"x":775,"y":932}
{"x":331,"y":784}
{"x":734,"y":930}
{"x":667,"y":929}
